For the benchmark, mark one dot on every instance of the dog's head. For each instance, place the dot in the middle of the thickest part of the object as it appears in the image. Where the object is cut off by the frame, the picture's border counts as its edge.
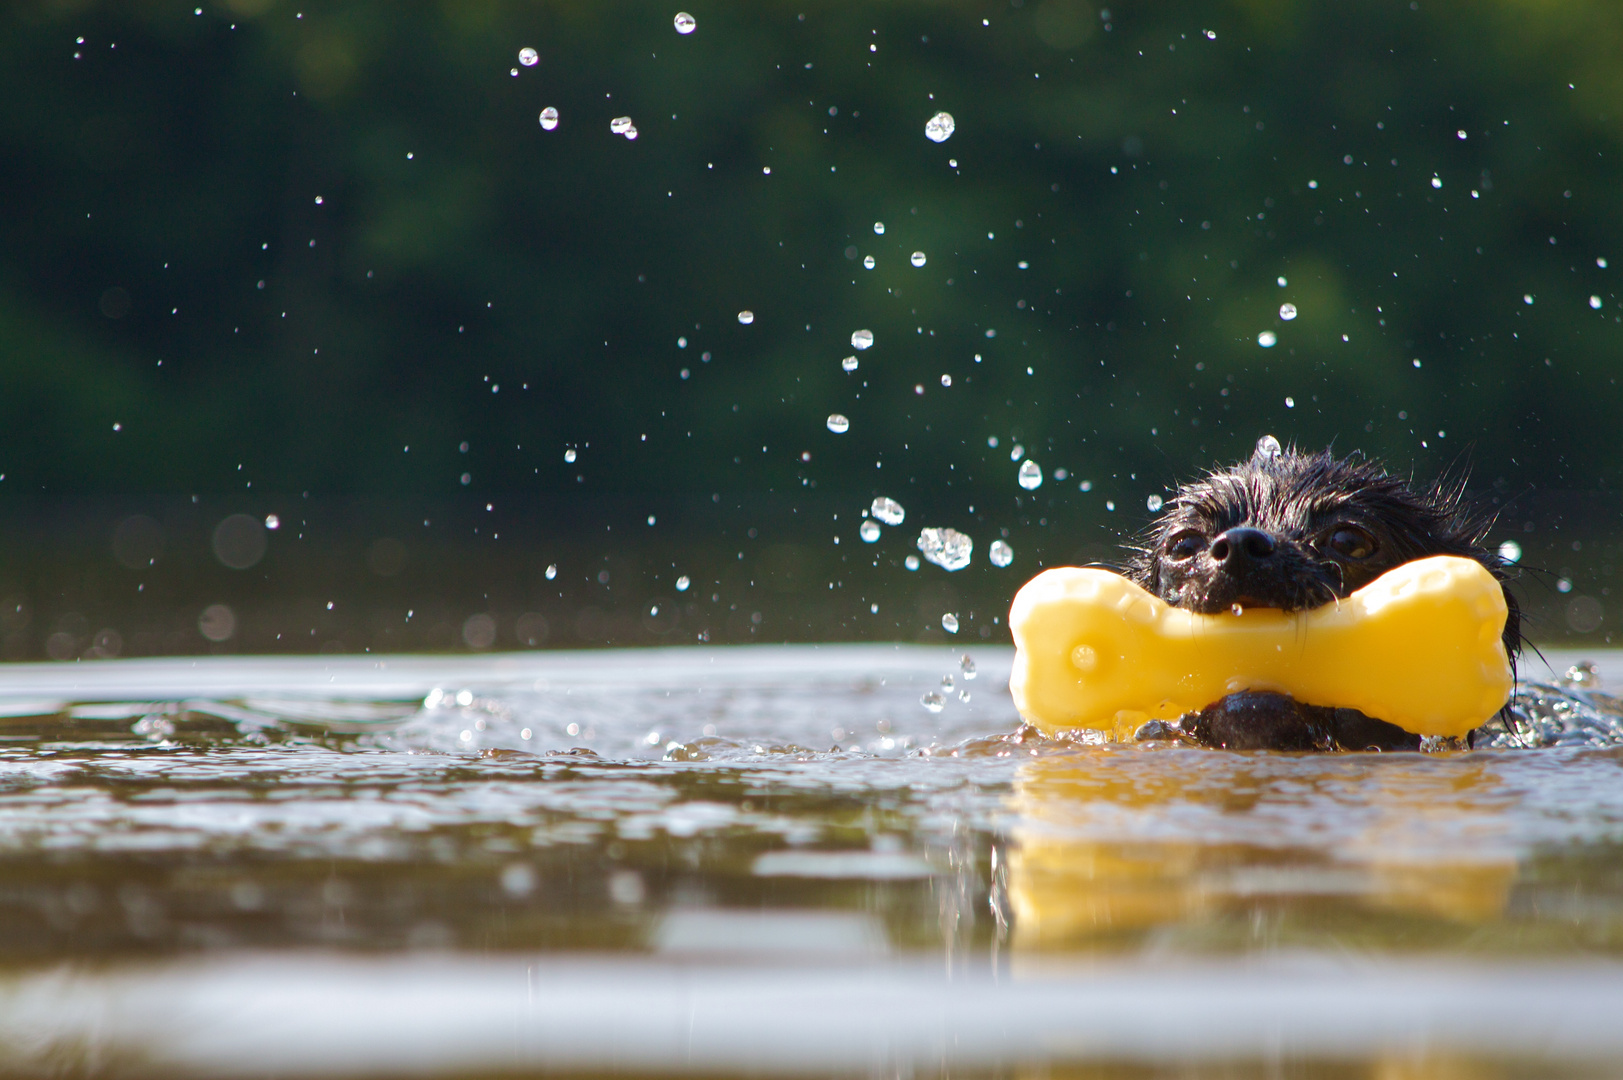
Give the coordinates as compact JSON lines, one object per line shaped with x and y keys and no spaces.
{"x":1292,"y":531}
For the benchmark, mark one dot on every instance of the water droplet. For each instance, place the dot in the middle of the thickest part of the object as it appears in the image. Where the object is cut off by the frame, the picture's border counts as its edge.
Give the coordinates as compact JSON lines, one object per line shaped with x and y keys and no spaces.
{"x":862,"y":339}
{"x":682,"y":583}
{"x":1282,"y":282}
{"x":1510,"y":551}
{"x":1086,"y":485}
{"x":631,"y":132}
{"x":868,"y":262}
{"x":849,"y":363}
{"x":939,"y":128}
{"x":569,"y":456}
{"x":911,"y":562}
{"x":1000,"y":553}
{"x":1437,"y":181}
{"x":272,"y":521}
{"x":946,"y":380}
{"x":1267,"y":339}
{"x":552,"y":571}
{"x":1154,"y":502}
{"x":1601,"y":262}
{"x":1287,"y":312}
{"x":1527,"y":298}
{"x":528,"y":57}
{"x":879,"y":228}
{"x":620,"y":125}
{"x":1290,"y":403}
{"x":1238,"y":609}
{"x":746,"y":317}
{"x":1031,"y":475}
{"x":888,"y":510}
{"x":933,"y":701}
{"x":685,"y":23}
{"x":1211,"y":35}
{"x":869,"y":531}
{"x":1016,"y":452}
{"x":1595,"y":302}
{"x":947,"y":548}
{"x":949,"y":623}
{"x":1460,"y":133}
{"x":963,"y":695}
{"x":946,"y":680}
{"x":967,"y":666}
{"x":918,"y":258}
{"x":1563,"y":585}
{"x":1267,"y":448}
{"x":838,"y":424}
{"x":549,"y":118}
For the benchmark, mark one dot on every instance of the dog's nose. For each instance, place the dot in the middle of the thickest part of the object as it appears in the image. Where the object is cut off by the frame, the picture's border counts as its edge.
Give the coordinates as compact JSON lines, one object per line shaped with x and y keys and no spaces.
{"x":1242,"y":546}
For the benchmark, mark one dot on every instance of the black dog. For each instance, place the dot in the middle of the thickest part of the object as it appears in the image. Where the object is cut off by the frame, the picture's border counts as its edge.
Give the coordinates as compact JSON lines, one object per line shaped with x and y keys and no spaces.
{"x":1295,"y":531}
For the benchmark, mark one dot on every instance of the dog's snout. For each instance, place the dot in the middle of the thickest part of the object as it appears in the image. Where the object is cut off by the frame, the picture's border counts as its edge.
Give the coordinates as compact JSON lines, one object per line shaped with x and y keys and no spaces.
{"x":1243,"y":546}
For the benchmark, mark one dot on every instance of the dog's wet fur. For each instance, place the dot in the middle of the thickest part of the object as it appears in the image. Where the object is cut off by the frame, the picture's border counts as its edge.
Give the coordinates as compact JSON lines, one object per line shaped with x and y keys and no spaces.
{"x":1296,"y":531}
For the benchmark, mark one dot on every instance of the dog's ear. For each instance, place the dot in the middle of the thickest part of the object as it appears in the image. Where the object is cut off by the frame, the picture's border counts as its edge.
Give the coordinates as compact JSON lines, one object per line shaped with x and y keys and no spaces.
{"x":1268,"y":449}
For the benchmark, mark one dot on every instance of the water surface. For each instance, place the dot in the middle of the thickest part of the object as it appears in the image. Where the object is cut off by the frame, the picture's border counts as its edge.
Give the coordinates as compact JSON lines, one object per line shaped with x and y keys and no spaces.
{"x":776,"y":861}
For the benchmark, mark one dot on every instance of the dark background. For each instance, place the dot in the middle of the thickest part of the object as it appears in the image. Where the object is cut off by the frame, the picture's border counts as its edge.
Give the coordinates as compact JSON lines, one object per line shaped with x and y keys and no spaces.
{"x":249,"y":257}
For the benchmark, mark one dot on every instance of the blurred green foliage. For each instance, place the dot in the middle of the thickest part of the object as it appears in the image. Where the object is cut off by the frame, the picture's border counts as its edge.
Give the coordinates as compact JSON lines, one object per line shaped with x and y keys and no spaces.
{"x":277,"y":243}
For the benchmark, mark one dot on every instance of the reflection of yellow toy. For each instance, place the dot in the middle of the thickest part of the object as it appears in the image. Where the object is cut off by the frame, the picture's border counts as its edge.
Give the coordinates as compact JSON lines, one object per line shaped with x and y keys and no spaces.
{"x":1115,"y":847}
{"x":1418,"y":647}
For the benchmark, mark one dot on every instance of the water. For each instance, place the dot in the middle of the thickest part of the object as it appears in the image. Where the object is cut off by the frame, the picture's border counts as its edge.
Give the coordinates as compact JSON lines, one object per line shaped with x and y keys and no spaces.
{"x":868,"y":262}
{"x":1030,"y":475}
{"x":849,"y":363}
{"x":685,"y":23}
{"x":620,"y":125}
{"x":773,"y":861}
{"x":746,"y":317}
{"x":939,"y":128}
{"x":917,"y":258}
{"x":528,"y":57}
{"x":838,"y":424}
{"x":862,"y":339}
{"x":949,"y":623}
{"x":1267,"y":339}
{"x":1000,"y":553}
{"x":549,"y":118}
{"x":1287,"y":312}
{"x":947,"y":548}
{"x":887,"y":510}
{"x":869,"y":531}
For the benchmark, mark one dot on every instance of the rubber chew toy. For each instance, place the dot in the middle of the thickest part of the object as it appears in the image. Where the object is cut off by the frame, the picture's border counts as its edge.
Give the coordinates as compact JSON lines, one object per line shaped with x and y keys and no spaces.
{"x":1419,"y":647}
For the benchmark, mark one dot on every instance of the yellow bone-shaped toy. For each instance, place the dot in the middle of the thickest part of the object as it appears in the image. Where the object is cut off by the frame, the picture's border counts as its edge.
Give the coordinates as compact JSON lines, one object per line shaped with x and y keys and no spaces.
{"x":1419,"y":647}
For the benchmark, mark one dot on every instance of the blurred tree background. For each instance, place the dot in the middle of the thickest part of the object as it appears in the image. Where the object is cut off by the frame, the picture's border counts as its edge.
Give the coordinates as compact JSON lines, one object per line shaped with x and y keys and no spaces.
{"x":319,"y":264}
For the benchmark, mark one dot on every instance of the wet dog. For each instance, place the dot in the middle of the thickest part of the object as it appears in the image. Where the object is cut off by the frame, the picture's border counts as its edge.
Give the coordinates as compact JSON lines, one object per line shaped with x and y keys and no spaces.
{"x":1296,"y":531}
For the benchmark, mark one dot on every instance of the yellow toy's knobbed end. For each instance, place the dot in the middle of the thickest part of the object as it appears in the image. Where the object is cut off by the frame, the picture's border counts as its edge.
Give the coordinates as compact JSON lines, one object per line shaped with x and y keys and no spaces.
{"x":1419,"y":647}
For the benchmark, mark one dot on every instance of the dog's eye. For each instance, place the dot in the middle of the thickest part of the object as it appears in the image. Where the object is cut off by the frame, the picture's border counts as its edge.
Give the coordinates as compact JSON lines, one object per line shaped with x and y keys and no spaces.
{"x":1186,"y":545}
{"x":1352,"y":543}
